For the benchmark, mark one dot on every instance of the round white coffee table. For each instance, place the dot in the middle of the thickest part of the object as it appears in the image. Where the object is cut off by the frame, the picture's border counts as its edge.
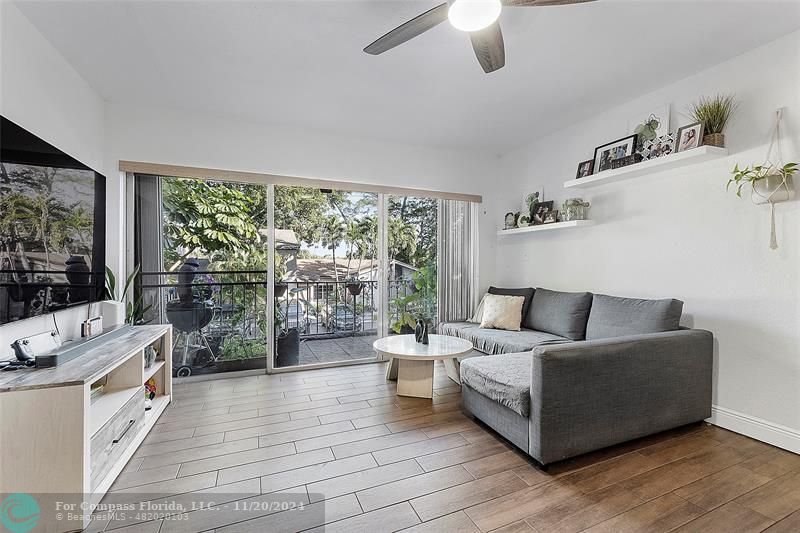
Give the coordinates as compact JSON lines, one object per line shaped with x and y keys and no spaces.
{"x":411,"y":363}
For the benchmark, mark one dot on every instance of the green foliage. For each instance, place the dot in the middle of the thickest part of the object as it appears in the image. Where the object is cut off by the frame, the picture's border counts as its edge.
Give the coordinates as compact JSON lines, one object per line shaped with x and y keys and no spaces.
{"x":206,"y":216}
{"x":743,"y":176}
{"x":135,"y":309}
{"x":421,"y":214}
{"x":713,"y":112}
{"x":237,"y":348}
{"x":419,"y":304}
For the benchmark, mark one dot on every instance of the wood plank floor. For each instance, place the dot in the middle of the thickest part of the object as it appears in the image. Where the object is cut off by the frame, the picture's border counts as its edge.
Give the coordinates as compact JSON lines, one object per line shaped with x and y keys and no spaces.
{"x":360,"y":458}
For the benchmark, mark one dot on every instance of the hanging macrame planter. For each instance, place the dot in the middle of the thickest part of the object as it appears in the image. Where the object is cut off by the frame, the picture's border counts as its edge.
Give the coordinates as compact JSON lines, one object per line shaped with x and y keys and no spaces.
{"x":774,"y":187}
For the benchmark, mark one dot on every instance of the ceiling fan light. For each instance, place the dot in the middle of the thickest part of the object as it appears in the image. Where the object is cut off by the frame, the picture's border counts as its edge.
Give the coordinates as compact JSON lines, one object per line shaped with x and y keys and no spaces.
{"x":473,"y":15}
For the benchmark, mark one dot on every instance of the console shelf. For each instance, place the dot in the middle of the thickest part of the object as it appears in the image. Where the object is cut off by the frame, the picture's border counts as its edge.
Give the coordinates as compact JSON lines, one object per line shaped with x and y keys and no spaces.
{"x":547,"y":227}
{"x":80,"y":444}
{"x":680,"y":159}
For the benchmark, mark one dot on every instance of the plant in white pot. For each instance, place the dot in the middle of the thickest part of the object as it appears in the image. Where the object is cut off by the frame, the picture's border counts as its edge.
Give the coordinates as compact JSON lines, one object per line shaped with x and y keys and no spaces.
{"x":115,"y":311}
{"x":769,"y":185}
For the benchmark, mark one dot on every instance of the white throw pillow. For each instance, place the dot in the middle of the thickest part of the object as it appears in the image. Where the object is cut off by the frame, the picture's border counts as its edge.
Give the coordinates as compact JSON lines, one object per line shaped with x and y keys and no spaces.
{"x":502,"y":312}
{"x":478,"y":316}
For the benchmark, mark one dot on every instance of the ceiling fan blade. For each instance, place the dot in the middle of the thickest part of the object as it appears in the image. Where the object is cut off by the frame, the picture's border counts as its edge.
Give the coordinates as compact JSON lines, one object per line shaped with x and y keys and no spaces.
{"x":409,"y":30}
{"x":542,"y":3}
{"x":489,"y":47}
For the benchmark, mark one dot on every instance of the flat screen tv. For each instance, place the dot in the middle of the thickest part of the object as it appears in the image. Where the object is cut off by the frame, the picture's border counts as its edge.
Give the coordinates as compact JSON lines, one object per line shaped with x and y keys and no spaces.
{"x":52,"y":227}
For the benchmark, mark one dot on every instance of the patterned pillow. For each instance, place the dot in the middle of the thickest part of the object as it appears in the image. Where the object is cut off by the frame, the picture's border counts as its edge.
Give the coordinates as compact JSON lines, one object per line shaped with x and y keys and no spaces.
{"x":502,"y":312}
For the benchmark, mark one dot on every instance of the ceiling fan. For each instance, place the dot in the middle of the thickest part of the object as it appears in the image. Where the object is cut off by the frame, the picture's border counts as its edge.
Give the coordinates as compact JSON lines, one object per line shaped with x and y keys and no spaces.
{"x":476,"y":17}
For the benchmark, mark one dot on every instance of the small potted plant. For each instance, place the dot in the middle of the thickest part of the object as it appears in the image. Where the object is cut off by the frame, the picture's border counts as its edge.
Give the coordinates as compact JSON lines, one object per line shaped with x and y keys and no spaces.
{"x":354,"y":286}
{"x":770,"y":184}
{"x":714,"y":113}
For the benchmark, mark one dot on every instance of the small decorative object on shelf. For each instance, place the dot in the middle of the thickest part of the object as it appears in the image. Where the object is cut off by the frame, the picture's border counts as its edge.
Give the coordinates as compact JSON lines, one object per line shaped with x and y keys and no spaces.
{"x":540,"y":211}
{"x":626,"y":161}
{"x":605,"y":154}
{"x":714,"y":114}
{"x":658,"y":147}
{"x":511,"y":220}
{"x":150,"y":355}
{"x":150,"y":389}
{"x":771,"y":182}
{"x":689,"y":137}
{"x":585,"y":168}
{"x":524,"y":221}
{"x":532,"y":198}
{"x":551,"y":217}
{"x":574,"y":209}
{"x":651,"y":125}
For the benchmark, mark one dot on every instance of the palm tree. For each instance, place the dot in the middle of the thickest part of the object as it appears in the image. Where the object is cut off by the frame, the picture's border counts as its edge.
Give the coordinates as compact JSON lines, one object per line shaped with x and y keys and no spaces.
{"x":402,"y":237}
{"x":333,"y":233}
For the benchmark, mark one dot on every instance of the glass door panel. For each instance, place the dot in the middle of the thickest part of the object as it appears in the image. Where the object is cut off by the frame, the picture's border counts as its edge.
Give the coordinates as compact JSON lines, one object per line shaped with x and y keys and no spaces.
{"x":326,"y":276}
{"x":411,"y":235}
{"x":201,"y":247}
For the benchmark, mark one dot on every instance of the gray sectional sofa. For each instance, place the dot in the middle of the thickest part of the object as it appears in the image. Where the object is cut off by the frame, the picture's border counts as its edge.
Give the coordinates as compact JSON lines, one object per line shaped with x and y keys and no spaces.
{"x":586,"y":371}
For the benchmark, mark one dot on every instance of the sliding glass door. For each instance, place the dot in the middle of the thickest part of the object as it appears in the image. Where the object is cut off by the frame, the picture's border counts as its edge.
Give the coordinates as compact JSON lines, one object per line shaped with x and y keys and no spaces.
{"x":281,"y":277}
{"x":326,"y":276}
{"x":411,"y":234}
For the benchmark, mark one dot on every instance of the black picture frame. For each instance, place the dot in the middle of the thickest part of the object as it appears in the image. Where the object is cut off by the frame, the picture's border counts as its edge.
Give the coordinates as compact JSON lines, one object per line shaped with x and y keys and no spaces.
{"x":585,"y":169}
{"x":600,"y":164}
{"x":539,"y":211}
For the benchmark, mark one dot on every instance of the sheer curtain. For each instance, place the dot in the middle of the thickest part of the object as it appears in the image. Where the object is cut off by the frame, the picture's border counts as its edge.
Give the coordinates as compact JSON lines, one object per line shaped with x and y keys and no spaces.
{"x":458,"y":260}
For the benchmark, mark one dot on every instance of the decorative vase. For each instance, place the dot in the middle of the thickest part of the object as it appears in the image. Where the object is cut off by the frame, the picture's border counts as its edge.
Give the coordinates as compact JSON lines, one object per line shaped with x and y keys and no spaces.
{"x":418,"y":331}
{"x":574,"y":209}
{"x":113,"y":313}
{"x":714,"y":139}
{"x":425,"y":333}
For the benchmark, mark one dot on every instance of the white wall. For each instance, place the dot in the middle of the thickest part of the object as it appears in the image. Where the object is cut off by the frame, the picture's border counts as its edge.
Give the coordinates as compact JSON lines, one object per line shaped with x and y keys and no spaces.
{"x":679,"y":234}
{"x":171,"y":136}
{"x":41,"y":92}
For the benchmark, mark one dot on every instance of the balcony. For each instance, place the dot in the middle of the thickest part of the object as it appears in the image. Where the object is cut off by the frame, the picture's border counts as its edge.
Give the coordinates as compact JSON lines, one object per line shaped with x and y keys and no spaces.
{"x":220,"y":318}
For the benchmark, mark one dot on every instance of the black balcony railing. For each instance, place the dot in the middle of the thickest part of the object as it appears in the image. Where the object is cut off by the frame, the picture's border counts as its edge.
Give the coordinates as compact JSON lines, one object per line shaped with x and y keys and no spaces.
{"x":221,"y":316}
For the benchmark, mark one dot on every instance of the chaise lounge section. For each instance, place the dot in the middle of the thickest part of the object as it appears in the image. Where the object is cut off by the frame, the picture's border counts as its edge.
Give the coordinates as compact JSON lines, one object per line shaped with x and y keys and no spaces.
{"x":608,"y":370}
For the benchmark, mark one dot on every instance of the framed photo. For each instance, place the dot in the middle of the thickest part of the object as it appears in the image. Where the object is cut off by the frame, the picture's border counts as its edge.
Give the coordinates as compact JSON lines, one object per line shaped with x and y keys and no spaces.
{"x":688,"y":137}
{"x":604,"y":155}
{"x":585,"y":169}
{"x":511,"y":220}
{"x":540,"y":211}
{"x":660,"y":146}
{"x":551,"y":217}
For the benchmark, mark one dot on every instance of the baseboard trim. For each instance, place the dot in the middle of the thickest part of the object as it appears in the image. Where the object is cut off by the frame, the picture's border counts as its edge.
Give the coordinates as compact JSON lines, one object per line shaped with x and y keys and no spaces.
{"x":757,"y":428}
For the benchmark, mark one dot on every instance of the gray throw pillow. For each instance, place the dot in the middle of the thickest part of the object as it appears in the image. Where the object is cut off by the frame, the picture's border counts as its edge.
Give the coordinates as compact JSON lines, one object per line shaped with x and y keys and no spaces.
{"x":560,"y":313}
{"x":526,"y":292}
{"x":612,"y":316}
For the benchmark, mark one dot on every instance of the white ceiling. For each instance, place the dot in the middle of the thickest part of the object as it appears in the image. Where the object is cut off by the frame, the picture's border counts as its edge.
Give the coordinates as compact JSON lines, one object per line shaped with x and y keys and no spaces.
{"x":300,"y":63}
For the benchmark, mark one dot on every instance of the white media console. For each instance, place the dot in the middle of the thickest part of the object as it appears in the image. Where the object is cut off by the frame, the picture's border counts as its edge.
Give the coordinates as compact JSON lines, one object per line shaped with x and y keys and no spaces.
{"x":61,"y":442}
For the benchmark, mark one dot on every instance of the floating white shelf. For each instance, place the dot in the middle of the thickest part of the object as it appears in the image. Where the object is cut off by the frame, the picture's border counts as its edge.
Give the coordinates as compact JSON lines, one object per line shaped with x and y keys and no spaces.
{"x":547,"y":227}
{"x":680,"y":159}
